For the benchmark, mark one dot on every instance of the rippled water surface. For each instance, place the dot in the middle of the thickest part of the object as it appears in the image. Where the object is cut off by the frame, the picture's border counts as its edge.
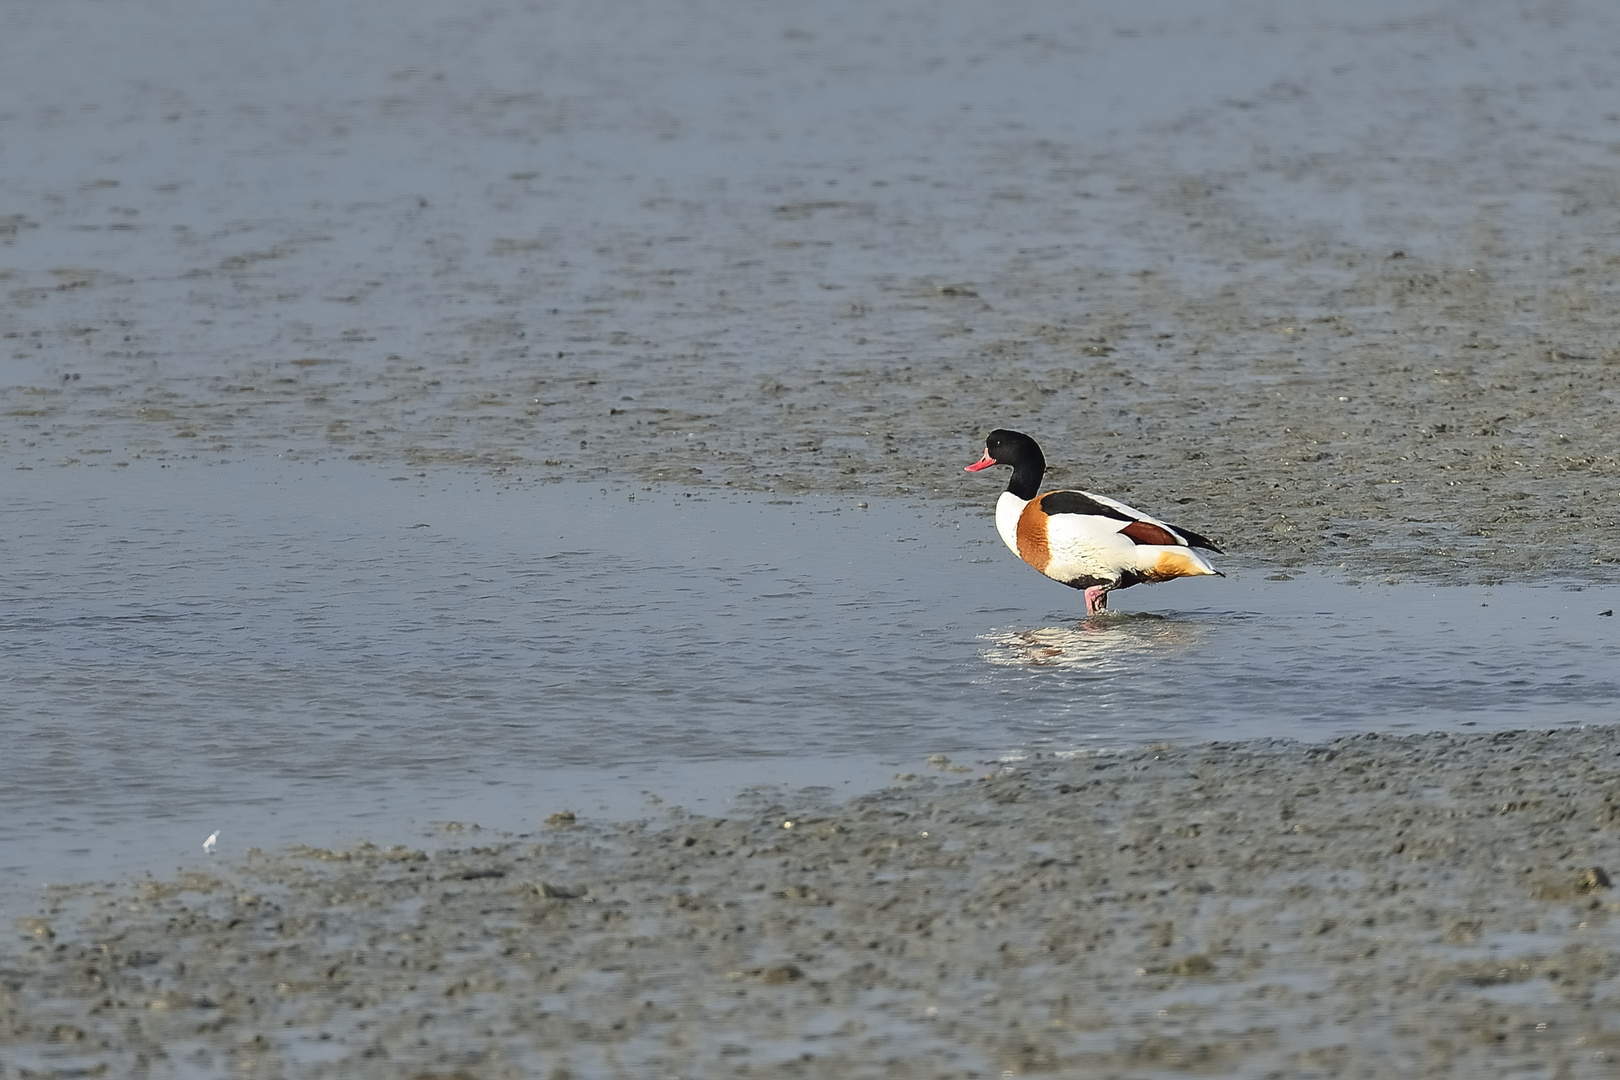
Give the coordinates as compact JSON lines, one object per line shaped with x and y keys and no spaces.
{"x":305,"y":653}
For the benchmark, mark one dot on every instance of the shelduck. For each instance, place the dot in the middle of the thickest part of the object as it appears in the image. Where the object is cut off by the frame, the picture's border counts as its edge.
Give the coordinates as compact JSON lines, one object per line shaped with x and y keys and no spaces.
{"x":1086,"y":541}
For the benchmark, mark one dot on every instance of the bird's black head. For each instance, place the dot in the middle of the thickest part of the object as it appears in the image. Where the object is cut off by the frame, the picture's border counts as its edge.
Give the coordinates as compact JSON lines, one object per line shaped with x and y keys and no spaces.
{"x":1005,"y":447}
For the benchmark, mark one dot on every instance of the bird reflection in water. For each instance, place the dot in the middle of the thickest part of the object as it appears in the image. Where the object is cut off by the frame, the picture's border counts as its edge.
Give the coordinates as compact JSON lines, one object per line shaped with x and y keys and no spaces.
{"x":1098,"y":643}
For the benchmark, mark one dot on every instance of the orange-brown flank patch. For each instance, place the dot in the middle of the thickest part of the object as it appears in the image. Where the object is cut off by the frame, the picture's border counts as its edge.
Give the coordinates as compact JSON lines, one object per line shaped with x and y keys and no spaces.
{"x":1032,"y":545}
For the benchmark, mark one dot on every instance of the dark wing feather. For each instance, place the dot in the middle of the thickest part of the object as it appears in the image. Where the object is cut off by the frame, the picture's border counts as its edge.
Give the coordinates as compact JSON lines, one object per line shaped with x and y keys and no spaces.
{"x":1078,"y":502}
{"x":1197,"y":541}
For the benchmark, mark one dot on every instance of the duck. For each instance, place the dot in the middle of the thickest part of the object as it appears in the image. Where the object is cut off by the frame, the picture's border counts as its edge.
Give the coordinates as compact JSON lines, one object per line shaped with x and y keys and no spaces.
{"x":1086,"y":541}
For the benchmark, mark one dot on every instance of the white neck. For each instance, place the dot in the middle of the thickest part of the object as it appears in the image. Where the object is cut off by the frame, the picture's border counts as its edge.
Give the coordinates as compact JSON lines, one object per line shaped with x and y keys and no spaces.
{"x":1008,"y":510}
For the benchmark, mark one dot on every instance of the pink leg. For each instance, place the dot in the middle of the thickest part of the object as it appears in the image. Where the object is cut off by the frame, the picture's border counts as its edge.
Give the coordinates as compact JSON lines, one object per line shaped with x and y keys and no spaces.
{"x":1096,"y":599}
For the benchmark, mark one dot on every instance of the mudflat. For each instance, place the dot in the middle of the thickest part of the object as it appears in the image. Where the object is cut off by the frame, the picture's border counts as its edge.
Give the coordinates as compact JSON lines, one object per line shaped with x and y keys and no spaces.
{"x":1431,"y":905}
{"x":1339,"y":283}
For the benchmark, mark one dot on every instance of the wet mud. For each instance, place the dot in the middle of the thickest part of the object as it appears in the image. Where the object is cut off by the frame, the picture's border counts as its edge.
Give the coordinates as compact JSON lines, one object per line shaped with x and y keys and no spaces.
{"x":1417,"y":906}
{"x":1334,"y":286}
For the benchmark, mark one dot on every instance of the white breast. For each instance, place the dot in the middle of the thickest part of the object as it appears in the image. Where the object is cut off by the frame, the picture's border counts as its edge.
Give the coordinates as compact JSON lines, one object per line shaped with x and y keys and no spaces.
{"x":1008,"y":510}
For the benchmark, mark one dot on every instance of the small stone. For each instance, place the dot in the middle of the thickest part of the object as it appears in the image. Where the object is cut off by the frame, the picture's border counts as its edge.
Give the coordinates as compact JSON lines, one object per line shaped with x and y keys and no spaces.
{"x":558,"y":892}
{"x":1196,"y":964}
{"x":1462,"y":932}
{"x":1592,"y":879}
{"x":781,"y":973}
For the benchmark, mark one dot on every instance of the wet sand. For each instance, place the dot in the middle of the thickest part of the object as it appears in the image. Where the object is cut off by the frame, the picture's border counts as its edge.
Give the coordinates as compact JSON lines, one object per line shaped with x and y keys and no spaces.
{"x":1418,"y":906}
{"x":1348,"y":301}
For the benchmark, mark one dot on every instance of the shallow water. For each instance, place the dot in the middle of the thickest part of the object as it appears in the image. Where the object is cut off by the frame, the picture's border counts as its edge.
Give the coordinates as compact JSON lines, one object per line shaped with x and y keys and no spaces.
{"x":319,"y":653}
